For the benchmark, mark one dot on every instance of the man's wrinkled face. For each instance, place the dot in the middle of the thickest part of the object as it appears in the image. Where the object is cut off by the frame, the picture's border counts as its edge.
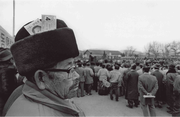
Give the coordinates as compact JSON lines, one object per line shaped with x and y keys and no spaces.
{"x":63,"y":84}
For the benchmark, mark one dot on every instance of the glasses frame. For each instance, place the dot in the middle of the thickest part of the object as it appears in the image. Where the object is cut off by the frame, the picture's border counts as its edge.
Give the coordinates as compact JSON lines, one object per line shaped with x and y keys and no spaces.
{"x":59,"y":70}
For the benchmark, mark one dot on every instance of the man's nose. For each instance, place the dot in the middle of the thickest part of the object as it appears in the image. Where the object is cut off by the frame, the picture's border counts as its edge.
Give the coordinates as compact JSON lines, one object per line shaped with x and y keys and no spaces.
{"x":75,"y":75}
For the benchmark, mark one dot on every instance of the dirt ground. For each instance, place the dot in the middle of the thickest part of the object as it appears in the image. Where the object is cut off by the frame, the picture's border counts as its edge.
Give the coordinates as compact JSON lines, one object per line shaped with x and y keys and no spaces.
{"x":96,"y":105}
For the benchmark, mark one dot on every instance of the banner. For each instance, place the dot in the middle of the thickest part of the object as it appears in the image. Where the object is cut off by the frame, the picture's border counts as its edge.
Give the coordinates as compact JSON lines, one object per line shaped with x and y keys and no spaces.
{"x":6,"y":40}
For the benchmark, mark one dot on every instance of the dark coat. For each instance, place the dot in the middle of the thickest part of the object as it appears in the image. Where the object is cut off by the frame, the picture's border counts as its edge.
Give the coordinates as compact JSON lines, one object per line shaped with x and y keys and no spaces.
{"x":132,"y":85}
{"x":159,"y":93}
{"x":170,"y":78}
{"x":147,"y":84}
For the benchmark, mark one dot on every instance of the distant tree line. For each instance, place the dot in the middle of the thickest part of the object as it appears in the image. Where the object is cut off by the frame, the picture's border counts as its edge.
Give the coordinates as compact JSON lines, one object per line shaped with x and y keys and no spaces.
{"x":156,"y":49}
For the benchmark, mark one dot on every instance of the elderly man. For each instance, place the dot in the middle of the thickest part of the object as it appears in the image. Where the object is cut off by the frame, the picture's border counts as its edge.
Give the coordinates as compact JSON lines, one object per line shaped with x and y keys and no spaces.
{"x":46,"y":59}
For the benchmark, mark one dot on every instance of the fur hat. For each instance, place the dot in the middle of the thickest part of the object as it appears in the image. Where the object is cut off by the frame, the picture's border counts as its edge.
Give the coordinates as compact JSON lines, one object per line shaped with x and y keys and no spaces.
{"x":43,"y":50}
{"x":5,"y":54}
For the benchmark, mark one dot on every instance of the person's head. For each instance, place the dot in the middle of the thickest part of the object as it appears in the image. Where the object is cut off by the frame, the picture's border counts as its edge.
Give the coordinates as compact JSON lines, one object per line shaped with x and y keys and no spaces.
{"x":47,"y":58}
{"x":171,"y":66}
{"x":97,"y":64}
{"x":156,"y":66}
{"x":137,"y":63}
{"x":133,"y":67}
{"x":88,"y":64}
{"x":141,"y":66}
{"x":6,"y":59}
{"x":84,"y":64}
{"x":116,"y":66}
{"x":79,"y":64}
{"x":146,"y":69}
{"x":103,"y":65}
{"x":177,"y":68}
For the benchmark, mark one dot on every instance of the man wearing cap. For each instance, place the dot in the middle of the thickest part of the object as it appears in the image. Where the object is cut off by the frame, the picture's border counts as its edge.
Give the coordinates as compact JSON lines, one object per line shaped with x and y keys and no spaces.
{"x":46,"y":59}
{"x":6,"y":59}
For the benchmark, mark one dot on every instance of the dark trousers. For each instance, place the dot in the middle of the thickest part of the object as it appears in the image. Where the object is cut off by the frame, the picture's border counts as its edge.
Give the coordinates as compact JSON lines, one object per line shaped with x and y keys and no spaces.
{"x":88,"y":88}
{"x":81,"y":89}
{"x":95,"y":83}
{"x":133,"y":101}
{"x":121,"y":93}
{"x":114,"y":88}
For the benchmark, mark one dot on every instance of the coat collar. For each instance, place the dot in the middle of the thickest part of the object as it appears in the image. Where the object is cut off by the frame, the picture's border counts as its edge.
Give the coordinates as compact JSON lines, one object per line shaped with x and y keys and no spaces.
{"x":32,"y":92}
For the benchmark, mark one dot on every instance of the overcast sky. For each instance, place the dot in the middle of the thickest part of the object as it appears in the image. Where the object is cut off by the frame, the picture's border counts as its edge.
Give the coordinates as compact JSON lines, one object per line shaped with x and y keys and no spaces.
{"x":102,"y":24}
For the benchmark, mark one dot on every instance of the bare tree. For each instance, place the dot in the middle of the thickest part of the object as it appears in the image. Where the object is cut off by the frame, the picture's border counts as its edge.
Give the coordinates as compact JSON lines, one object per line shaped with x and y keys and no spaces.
{"x":165,"y":49}
{"x":175,"y":47}
{"x":148,"y":50}
{"x":155,"y":48}
{"x":130,"y":51}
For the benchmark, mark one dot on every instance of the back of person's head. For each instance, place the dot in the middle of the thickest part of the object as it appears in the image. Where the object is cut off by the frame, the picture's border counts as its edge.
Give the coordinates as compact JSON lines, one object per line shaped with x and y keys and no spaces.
{"x":133,"y":66}
{"x":97,"y":64}
{"x":103,"y":65}
{"x":137,"y":63}
{"x":141,"y":65}
{"x":88,"y":64}
{"x":146,"y":68}
{"x":127,"y":65}
{"x":116,"y":67}
{"x":156,"y":66}
{"x":178,"y":68}
{"x":43,"y":50}
{"x":92,"y":63}
{"x":79,"y":64}
{"x":84,"y":64}
{"x":6,"y":58}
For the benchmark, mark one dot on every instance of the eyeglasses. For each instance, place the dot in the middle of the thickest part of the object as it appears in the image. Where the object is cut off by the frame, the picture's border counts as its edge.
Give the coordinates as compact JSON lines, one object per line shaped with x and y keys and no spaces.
{"x":69,"y":71}
{"x":61,"y":70}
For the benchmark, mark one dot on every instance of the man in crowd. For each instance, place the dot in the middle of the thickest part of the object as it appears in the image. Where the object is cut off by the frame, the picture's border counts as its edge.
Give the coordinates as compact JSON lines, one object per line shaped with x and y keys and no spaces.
{"x":47,"y":61}
{"x":132,"y":94}
{"x":147,"y":85}
{"x":159,"y":94}
{"x":96,"y":79}
{"x":88,"y":78}
{"x":115,"y":79}
{"x":8,"y":79}
{"x":82,"y":75}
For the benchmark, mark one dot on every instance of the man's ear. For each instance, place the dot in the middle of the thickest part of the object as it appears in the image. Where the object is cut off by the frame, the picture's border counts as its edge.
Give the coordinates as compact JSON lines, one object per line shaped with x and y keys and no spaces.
{"x":39,"y":77}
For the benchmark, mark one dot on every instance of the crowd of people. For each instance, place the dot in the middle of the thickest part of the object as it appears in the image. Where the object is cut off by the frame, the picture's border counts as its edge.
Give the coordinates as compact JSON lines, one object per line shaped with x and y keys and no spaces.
{"x":39,"y":77}
{"x":146,"y":83}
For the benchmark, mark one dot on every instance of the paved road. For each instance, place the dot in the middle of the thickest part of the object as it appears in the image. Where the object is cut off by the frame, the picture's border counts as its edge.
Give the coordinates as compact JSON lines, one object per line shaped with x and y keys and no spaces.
{"x":96,"y":105}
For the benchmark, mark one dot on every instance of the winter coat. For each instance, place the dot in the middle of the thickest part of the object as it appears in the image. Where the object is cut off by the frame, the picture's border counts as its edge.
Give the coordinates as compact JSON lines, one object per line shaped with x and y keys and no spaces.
{"x":82,"y":74}
{"x":131,"y":85}
{"x":36,"y":102}
{"x":170,"y":78}
{"x":147,"y":84}
{"x":159,"y":93}
{"x":89,"y":75}
{"x":103,"y":74}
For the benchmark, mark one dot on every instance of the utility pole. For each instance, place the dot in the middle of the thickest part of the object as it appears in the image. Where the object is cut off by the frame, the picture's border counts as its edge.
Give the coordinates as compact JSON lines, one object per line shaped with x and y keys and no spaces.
{"x":13,"y":18}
